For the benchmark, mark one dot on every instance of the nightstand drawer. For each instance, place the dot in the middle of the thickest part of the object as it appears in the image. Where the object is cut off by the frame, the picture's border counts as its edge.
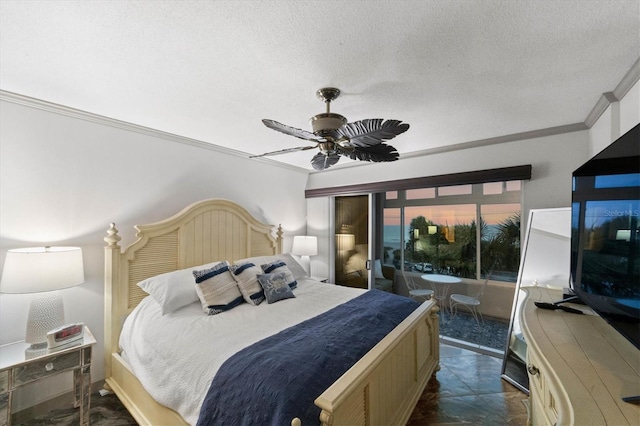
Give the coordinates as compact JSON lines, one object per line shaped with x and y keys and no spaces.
{"x":47,"y":367}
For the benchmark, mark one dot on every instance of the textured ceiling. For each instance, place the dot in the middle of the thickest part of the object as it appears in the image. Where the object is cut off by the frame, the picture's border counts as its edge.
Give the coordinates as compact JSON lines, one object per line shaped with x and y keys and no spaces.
{"x":456,"y":71}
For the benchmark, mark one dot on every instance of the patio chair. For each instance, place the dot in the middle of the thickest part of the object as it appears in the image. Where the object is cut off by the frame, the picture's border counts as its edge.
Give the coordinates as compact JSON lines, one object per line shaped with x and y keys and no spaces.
{"x":472,"y":303}
{"x":416,"y":292}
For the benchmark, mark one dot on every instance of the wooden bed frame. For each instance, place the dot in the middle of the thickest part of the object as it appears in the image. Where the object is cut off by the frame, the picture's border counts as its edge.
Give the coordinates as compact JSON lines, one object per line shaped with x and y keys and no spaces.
{"x":382,"y":388}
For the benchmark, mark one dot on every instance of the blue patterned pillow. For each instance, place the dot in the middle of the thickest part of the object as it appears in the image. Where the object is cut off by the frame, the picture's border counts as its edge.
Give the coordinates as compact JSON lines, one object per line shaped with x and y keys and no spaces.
{"x":216,"y":288}
{"x":246,"y":275}
{"x":280,"y":266}
{"x":275,"y":287}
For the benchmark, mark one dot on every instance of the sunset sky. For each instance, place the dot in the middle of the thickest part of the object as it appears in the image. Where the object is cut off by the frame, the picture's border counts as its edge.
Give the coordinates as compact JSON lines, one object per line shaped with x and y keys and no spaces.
{"x":493,"y":214}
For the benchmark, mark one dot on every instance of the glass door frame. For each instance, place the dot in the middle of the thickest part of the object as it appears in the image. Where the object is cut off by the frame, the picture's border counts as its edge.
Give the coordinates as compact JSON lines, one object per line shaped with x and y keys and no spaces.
{"x":370,"y":235}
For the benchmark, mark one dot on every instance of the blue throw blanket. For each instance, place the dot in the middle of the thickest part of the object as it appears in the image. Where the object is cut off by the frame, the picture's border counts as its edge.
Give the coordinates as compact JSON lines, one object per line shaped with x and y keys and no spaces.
{"x":278,"y":378}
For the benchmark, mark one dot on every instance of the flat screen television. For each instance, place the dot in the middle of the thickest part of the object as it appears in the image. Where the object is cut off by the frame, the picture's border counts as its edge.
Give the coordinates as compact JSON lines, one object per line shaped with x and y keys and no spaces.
{"x":605,"y":236}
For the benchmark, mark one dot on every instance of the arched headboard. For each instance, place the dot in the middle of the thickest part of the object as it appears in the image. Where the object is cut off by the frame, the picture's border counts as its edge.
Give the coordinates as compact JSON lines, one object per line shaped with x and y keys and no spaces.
{"x":204,"y":232}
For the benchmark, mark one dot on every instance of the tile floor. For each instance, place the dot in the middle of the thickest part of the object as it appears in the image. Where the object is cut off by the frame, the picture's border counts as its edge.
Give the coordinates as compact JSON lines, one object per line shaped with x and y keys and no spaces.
{"x":467,"y":390}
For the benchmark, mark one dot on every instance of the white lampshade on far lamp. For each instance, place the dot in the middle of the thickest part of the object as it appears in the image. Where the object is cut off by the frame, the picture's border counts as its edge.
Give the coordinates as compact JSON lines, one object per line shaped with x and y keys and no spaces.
{"x":42,"y":270}
{"x":305,"y":246}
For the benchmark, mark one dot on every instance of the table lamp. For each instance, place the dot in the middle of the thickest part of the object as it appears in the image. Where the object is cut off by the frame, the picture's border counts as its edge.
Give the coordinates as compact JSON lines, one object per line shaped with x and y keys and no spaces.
{"x":305,"y":246}
{"x":345,"y":242}
{"x":42,"y":270}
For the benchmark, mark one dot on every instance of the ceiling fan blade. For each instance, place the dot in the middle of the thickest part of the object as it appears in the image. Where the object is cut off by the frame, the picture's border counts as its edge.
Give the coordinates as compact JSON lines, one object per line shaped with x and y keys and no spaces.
{"x":376,"y":153}
{"x":292,"y":131}
{"x":372,"y":131}
{"x":322,"y":161}
{"x":284,"y":151}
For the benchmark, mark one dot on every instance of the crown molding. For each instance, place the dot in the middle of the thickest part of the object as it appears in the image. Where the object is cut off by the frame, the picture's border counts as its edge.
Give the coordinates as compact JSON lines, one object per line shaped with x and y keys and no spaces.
{"x":628,"y":81}
{"x":123,"y":125}
{"x":540,"y":133}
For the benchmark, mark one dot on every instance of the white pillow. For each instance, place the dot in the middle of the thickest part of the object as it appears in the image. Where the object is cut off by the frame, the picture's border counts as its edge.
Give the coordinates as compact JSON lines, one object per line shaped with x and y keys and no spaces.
{"x":173,"y":290}
{"x":357,"y":262}
{"x":377,"y":269}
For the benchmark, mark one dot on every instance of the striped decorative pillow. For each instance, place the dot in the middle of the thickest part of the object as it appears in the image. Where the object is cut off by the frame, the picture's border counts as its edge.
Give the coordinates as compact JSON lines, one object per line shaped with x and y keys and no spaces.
{"x":246,"y":275}
{"x":296,"y":269}
{"x":216,"y":288}
{"x":280,"y":266}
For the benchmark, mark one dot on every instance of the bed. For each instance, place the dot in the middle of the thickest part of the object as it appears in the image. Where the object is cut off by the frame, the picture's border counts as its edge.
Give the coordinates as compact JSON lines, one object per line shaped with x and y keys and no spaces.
{"x":381,"y":387}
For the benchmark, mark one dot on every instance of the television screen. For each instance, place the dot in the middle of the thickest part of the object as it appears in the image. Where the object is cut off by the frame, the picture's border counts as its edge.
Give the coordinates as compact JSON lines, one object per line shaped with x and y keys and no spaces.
{"x":605,"y":236}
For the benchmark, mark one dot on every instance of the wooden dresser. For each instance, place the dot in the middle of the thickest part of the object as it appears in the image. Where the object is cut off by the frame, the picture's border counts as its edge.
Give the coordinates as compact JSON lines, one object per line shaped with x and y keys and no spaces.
{"x":579,"y":366}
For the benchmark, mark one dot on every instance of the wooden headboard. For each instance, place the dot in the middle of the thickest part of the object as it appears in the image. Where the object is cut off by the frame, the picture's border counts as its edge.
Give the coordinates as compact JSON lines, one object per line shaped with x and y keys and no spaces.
{"x":204,"y":232}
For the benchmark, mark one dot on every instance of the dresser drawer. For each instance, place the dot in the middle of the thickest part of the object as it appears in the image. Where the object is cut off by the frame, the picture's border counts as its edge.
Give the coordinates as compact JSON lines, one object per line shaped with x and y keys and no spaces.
{"x":47,"y":367}
{"x":543,"y":392}
{"x":536,"y":378}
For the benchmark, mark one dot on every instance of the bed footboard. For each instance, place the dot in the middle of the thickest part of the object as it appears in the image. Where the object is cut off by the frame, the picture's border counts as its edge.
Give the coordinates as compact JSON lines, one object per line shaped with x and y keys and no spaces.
{"x":382,"y":388}
{"x":385,"y":385}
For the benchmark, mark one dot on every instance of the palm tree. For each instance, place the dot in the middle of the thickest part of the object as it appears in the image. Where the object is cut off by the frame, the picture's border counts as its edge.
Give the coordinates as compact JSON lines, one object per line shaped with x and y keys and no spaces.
{"x":503,"y":249}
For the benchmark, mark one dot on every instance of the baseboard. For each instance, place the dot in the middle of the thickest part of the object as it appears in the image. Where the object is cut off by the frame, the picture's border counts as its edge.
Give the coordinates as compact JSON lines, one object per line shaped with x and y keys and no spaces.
{"x":484,"y":350}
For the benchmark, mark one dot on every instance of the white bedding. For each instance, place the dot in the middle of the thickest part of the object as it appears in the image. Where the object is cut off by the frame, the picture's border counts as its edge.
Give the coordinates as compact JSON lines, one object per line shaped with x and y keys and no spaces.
{"x":176,"y":356}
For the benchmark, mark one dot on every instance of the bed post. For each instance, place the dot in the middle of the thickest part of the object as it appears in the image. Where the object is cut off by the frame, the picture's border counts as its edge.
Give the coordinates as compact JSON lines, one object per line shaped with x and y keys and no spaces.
{"x":279,"y":239}
{"x":111,"y":295}
{"x":435,"y":335}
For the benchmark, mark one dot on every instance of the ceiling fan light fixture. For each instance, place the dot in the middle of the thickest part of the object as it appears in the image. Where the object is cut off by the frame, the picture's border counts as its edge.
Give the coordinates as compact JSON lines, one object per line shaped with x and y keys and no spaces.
{"x":326,"y":121}
{"x":327,"y":147}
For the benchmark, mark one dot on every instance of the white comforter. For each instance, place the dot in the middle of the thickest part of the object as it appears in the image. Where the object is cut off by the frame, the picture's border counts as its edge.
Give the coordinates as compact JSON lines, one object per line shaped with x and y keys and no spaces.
{"x":176,"y":356}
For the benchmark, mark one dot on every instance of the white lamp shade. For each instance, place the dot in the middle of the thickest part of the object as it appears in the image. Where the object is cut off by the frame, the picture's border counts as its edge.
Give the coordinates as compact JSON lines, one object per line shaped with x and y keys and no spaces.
{"x":345,"y":241}
{"x":305,"y":246}
{"x":40,"y":269}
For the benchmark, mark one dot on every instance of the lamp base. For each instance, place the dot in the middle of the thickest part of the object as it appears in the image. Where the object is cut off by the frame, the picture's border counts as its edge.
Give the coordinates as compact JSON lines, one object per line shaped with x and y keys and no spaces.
{"x":305,"y":261}
{"x":46,"y":312}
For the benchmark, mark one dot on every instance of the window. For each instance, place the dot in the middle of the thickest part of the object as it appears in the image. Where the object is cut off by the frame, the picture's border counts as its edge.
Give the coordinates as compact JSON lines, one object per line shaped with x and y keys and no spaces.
{"x":417,"y":194}
{"x":463,"y":230}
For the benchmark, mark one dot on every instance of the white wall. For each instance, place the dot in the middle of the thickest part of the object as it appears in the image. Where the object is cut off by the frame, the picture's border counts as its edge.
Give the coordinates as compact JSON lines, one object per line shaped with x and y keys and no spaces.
{"x":630,"y":109}
{"x":616,"y":120}
{"x":64,"y":179}
{"x":319,"y":223}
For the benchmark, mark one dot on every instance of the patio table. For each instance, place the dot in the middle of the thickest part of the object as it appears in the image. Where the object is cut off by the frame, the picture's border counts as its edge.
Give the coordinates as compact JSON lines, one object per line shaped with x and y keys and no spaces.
{"x":440,"y":285}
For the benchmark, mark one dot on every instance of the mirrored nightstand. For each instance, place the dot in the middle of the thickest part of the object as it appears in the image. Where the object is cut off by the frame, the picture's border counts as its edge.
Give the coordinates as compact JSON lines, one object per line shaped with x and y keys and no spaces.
{"x":21,"y":366}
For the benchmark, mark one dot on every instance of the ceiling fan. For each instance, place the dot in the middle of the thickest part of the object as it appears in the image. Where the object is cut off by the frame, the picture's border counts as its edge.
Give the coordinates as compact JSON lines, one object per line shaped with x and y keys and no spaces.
{"x":361,"y":140}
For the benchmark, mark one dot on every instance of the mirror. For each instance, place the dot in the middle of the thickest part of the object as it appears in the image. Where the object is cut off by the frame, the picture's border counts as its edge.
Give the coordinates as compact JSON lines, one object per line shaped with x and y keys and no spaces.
{"x":352,"y":241}
{"x":545,"y":261}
